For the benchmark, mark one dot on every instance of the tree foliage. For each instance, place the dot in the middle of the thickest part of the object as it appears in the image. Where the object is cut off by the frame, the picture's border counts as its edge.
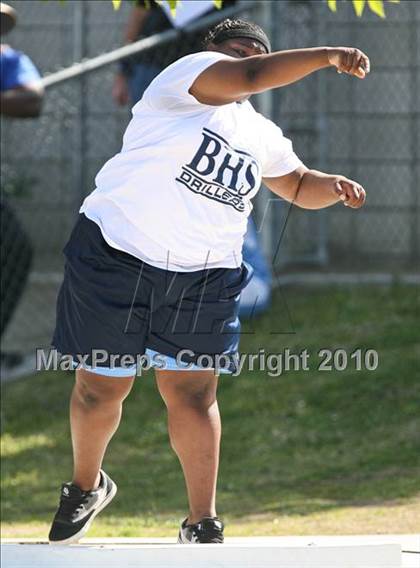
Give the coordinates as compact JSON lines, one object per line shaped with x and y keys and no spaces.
{"x":172,"y":4}
{"x":376,"y":6}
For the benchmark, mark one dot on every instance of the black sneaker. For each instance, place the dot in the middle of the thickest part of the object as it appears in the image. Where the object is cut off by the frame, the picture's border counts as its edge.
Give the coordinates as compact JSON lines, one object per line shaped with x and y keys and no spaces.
{"x":208,"y":530}
{"x":78,"y":508}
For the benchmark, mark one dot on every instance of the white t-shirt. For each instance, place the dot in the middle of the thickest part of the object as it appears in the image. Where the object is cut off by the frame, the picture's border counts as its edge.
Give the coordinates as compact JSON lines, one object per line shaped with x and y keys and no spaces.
{"x":178,"y":194}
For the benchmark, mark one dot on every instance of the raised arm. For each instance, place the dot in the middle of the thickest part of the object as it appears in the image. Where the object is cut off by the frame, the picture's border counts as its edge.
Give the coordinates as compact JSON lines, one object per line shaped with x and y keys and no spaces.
{"x":311,"y":189}
{"x":22,"y":102}
{"x":237,"y":78}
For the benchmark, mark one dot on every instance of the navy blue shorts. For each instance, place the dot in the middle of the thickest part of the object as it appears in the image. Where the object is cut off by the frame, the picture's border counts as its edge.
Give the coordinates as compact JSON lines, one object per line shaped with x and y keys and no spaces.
{"x":112,"y":307}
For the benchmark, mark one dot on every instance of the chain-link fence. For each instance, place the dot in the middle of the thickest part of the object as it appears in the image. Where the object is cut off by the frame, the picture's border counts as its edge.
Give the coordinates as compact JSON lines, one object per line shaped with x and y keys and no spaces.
{"x":368,"y":130}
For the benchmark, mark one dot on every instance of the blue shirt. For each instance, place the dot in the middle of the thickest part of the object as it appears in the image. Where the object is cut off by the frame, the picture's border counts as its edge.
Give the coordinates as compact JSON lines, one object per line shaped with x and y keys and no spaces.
{"x":16,"y":69}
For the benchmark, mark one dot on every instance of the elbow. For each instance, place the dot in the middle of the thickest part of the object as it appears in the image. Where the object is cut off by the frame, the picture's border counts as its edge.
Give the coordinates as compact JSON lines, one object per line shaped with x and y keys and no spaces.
{"x":39,"y":101}
{"x":309,"y":206}
{"x":301,"y":204}
{"x":253,"y":75}
{"x":307,"y":194}
{"x":32,"y":110}
{"x":31,"y":105}
{"x":34,"y":106}
{"x":35,"y":98}
{"x":37,"y":108}
{"x":313,"y":204}
{"x":304,"y":203}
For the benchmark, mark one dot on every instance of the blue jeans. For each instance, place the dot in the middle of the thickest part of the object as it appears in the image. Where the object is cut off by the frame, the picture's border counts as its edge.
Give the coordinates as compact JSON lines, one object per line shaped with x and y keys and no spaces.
{"x":255,"y":298}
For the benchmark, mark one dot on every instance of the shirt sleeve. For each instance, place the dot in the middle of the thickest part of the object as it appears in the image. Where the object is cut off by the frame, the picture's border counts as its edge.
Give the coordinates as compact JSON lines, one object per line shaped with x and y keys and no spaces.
{"x":18,"y":71}
{"x":169,"y":90}
{"x":279,"y":157}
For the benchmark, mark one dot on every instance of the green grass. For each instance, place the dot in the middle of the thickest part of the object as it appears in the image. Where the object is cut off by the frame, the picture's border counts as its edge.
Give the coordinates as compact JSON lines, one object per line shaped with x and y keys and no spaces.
{"x":304,"y":453}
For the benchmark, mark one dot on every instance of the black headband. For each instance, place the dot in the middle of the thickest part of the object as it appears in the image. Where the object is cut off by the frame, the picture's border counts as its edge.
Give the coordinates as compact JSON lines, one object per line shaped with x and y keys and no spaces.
{"x":245,"y":32}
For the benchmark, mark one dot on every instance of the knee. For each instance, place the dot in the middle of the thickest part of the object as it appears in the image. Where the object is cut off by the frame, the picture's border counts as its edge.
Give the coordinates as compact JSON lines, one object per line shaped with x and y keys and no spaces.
{"x":93,"y":394}
{"x":200,"y":398}
{"x":88,"y":398}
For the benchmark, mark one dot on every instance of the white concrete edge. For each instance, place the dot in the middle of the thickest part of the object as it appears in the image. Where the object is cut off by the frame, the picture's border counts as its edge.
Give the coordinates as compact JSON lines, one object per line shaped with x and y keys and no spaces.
{"x":203,"y":556}
{"x":408,"y":542}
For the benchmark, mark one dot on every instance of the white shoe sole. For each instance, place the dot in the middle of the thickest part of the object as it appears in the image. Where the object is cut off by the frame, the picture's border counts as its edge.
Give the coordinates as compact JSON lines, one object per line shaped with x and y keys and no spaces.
{"x":182,"y":540}
{"x":77,"y":536}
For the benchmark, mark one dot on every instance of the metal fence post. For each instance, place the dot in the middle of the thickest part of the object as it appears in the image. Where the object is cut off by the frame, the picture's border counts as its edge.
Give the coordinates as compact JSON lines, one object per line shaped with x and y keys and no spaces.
{"x":322,"y":130}
{"x":79,"y":118}
{"x":415,"y":138}
{"x":264,"y":18}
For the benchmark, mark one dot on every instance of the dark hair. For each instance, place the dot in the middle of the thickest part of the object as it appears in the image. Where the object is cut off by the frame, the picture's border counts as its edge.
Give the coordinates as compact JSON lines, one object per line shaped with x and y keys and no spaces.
{"x":235,"y":28}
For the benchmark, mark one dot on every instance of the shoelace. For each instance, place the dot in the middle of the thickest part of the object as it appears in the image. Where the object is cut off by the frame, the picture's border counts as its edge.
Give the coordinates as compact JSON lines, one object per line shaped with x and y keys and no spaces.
{"x":70,"y":507}
{"x":209,"y":534}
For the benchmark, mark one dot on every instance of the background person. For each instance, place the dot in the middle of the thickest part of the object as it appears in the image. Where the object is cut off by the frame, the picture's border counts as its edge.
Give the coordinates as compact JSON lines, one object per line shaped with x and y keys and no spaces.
{"x":20,"y":97}
{"x":146,"y":19}
{"x":20,"y":92}
{"x":136,"y":72}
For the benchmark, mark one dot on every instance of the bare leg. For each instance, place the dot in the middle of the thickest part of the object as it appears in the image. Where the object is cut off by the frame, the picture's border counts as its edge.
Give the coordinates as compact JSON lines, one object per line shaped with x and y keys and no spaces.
{"x":95,"y":413}
{"x":194,"y":431}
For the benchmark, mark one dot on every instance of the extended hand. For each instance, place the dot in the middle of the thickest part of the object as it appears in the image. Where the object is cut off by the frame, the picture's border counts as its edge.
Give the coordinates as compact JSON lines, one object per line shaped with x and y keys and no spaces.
{"x":349,"y":60}
{"x":350,"y":192}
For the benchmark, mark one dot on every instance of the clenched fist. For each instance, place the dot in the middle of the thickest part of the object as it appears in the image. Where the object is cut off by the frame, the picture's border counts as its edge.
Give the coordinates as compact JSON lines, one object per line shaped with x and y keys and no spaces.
{"x":349,"y":192}
{"x":349,"y":60}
